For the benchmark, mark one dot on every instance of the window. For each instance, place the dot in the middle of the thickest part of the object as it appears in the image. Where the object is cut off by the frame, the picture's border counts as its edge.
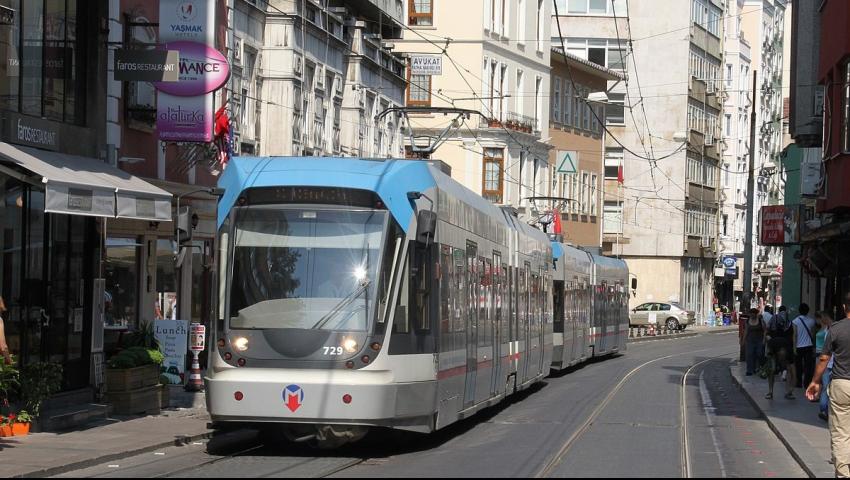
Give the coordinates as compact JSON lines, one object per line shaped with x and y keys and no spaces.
{"x":541,"y":23}
{"x":594,"y":194}
{"x":605,"y":52}
{"x":612,"y":218}
{"x":519,"y":98}
{"x":140,"y":102}
{"x":521,"y":20}
{"x":596,"y":51}
{"x":585,"y":193}
{"x":556,"y":100}
{"x":613,"y":161}
{"x":419,"y":90}
{"x":494,"y":162}
{"x":727,"y":125}
{"x":568,"y":103}
{"x":420,"y":12}
{"x":728,"y":75}
{"x":593,"y":7}
{"x":538,"y":103}
{"x":586,"y":110}
{"x":615,"y":110}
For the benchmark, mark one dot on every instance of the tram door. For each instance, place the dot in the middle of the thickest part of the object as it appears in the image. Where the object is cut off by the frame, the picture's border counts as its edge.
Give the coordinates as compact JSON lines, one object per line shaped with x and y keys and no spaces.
{"x":471,"y":324}
{"x":496,"y":321}
{"x":527,"y":312}
{"x":544,"y":309}
{"x":602,"y":296}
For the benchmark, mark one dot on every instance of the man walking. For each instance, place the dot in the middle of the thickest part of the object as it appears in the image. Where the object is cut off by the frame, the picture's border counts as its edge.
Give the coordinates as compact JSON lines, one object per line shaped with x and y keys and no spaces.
{"x":837,"y":346}
{"x":804,"y":343}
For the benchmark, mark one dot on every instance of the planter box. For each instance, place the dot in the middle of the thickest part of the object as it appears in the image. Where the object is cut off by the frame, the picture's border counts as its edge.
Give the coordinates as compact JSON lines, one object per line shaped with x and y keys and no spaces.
{"x":141,"y":400}
{"x":124,"y":379}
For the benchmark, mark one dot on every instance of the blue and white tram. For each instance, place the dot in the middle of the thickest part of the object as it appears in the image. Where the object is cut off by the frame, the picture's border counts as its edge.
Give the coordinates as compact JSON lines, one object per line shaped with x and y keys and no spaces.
{"x":357,"y":293}
{"x":590,"y":305}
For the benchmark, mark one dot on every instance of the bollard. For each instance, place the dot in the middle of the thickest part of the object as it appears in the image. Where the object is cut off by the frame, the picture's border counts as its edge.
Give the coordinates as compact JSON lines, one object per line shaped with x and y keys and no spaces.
{"x":195,"y":383}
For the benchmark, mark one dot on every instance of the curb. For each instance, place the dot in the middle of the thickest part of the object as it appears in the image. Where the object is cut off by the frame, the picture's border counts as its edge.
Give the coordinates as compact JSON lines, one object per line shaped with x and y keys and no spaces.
{"x":773,"y":427}
{"x":178,"y":441}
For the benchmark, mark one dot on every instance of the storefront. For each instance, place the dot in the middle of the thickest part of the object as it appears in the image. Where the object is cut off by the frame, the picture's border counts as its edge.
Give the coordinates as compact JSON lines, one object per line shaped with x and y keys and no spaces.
{"x":54,"y":210}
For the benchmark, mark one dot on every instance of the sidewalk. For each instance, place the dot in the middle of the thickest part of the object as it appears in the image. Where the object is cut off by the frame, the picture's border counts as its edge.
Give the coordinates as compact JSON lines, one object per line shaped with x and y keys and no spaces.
{"x":795,"y":422}
{"x":46,"y":454}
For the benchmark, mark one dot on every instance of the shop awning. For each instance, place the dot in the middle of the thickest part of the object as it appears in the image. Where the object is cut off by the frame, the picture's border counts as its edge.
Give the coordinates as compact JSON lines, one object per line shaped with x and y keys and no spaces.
{"x":86,"y":186}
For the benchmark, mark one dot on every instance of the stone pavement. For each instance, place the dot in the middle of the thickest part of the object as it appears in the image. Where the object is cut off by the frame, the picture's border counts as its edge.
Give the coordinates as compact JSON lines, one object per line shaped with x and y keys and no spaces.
{"x":46,"y":454}
{"x":795,"y":422}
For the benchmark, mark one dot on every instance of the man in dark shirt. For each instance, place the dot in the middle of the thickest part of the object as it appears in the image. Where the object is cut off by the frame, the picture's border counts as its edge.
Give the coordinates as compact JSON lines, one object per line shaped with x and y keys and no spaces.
{"x":837,"y":345}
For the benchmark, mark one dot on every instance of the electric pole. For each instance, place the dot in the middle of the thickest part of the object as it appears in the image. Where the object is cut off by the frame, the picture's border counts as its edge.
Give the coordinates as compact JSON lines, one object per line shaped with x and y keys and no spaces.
{"x":746,"y":298}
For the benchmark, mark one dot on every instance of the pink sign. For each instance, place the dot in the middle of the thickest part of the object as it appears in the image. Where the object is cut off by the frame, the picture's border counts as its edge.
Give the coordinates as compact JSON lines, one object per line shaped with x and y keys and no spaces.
{"x":202,"y":70}
{"x":184,"y":119}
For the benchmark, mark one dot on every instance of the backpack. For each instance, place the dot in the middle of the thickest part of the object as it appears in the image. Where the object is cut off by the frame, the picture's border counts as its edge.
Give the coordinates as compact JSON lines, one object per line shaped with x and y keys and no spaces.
{"x":779,"y":325}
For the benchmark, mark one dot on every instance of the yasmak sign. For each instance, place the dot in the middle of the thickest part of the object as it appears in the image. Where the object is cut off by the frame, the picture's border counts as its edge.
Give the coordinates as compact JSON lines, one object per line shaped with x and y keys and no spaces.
{"x":186,"y":18}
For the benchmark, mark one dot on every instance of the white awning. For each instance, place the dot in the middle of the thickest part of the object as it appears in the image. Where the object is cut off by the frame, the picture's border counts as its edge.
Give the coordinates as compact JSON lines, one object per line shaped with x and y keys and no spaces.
{"x":86,"y":186}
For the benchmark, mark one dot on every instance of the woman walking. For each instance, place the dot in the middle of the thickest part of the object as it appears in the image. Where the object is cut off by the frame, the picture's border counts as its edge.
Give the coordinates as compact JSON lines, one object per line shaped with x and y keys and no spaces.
{"x":753,"y":340}
{"x":824,"y":321}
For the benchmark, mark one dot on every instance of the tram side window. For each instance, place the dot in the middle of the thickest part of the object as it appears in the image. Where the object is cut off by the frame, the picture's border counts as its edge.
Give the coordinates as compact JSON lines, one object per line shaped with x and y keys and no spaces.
{"x":503,"y":306}
{"x":459,"y":294}
{"x":446,"y":288}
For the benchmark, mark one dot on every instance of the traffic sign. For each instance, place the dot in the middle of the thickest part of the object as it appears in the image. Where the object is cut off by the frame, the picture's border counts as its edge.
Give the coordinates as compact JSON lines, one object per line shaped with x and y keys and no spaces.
{"x":567,"y":161}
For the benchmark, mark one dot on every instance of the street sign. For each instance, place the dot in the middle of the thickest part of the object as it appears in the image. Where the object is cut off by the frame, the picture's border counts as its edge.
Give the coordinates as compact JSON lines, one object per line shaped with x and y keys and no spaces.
{"x":426,"y":64}
{"x":567,"y":161}
{"x":197,"y":337}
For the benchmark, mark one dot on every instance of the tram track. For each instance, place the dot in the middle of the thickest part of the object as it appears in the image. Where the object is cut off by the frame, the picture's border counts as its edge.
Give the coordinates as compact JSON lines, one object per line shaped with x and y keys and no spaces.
{"x":556,"y":459}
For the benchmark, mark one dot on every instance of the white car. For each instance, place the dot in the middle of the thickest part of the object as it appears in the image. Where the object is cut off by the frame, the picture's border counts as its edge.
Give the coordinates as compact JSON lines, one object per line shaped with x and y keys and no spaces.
{"x":673,"y":315}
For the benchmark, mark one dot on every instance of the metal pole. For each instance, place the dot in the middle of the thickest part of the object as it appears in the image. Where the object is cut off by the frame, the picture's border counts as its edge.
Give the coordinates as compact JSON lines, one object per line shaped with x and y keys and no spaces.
{"x":746,"y":300}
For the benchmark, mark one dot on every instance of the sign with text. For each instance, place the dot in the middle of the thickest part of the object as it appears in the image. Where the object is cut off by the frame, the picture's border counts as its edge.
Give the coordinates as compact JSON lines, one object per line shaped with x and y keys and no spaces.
{"x":202,"y":70}
{"x":172,"y":336}
{"x":426,"y":64}
{"x":779,"y":225}
{"x":197,"y":337}
{"x":186,"y":118}
{"x":34,"y":132}
{"x":146,"y":65}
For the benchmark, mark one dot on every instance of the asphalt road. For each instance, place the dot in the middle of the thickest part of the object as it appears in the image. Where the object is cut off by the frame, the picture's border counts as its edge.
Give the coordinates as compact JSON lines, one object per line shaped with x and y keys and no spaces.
{"x":615,"y":417}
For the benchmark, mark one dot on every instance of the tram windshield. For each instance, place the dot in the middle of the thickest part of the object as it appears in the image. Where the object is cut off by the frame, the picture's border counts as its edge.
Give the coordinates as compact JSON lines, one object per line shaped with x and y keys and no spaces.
{"x":305,"y":268}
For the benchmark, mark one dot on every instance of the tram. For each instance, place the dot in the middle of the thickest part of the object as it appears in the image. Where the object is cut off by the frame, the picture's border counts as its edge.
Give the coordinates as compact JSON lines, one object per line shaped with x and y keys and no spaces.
{"x":357,"y":293}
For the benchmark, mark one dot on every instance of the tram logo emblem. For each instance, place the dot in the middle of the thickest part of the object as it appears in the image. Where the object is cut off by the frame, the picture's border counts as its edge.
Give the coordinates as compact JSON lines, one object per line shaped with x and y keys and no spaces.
{"x":293,"y":397}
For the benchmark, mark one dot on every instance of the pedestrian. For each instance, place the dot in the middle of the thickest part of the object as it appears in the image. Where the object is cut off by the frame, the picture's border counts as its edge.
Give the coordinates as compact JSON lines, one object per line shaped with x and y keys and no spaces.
{"x":4,"y":347}
{"x":804,"y":344}
{"x":780,"y":353}
{"x":753,"y":340}
{"x":824,"y":319}
{"x":837,"y":346}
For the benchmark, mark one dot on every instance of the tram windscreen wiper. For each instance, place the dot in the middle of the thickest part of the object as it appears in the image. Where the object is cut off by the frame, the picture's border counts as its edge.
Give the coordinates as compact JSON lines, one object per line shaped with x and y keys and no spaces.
{"x":342,"y":304}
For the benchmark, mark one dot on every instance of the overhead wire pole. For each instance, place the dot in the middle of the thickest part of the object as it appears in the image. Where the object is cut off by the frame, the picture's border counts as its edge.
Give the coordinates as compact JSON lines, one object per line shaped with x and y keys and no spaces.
{"x":746,"y":298}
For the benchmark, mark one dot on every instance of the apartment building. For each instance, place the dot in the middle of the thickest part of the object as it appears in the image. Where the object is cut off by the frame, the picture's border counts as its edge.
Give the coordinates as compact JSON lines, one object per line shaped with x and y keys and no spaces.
{"x":737,"y":86}
{"x":581,"y":174}
{"x":669,"y":207}
{"x":763,"y":24}
{"x":495,"y":60}
{"x":309,"y":77}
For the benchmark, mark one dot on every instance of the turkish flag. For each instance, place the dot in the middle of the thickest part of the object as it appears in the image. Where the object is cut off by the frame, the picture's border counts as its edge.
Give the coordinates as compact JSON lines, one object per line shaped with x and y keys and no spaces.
{"x":557,"y":222}
{"x":620,"y":174}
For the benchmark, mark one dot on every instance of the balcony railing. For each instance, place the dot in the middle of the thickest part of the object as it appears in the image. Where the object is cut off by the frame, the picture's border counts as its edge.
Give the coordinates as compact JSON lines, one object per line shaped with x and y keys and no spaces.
{"x":513,"y":121}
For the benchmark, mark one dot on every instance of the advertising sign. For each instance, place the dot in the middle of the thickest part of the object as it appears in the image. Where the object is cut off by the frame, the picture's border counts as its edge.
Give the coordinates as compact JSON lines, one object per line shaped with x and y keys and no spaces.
{"x":203,"y":70}
{"x":426,"y":64}
{"x":172,"y":336}
{"x":730,"y":265}
{"x":197,"y":337}
{"x":780,"y":225}
{"x":185,"y":118}
{"x":146,"y":65}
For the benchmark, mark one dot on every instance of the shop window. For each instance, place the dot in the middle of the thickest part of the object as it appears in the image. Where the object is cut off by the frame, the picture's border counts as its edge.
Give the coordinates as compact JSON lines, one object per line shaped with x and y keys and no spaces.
{"x":420,"y":13}
{"x":165,"y":306}
{"x":140,"y":101}
{"x":121,"y":271}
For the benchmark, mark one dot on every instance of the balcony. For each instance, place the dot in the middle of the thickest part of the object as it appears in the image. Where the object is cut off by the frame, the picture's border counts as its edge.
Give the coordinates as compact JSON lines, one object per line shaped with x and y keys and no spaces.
{"x":513,"y":121}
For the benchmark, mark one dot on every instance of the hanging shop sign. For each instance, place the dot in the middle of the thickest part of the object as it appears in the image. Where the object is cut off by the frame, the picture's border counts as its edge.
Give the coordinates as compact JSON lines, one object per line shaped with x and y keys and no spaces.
{"x":146,"y":65}
{"x":426,"y":64}
{"x":202,"y":70}
{"x":185,"y":118}
{"x":780,"y":225}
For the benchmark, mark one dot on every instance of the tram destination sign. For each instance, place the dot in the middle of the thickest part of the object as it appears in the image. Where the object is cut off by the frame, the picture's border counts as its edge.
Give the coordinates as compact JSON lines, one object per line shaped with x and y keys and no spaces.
{"x":147,"y":65}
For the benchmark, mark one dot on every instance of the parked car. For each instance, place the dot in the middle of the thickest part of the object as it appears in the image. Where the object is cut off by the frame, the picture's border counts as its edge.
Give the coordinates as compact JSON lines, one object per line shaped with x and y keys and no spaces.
{"x":673,"y":315}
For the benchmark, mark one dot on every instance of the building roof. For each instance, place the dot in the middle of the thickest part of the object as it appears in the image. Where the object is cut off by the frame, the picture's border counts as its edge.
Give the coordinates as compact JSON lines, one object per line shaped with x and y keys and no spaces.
{"x":586,"y":65}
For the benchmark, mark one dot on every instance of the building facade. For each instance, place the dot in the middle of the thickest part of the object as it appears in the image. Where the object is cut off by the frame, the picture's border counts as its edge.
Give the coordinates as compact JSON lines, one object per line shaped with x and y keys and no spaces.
{"x":578,"y":145}
{"x":309,"y":78}
{"x":498,"y":67}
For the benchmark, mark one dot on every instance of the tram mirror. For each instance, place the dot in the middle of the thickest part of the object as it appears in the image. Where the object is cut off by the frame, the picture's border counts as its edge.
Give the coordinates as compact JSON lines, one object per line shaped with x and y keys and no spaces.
{"x":426,"y":226}
{"x":634,"y":284}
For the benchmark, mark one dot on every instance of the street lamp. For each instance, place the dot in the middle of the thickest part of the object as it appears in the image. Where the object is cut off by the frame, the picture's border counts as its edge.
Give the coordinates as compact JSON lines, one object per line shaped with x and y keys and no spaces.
{"x":212,"y":191}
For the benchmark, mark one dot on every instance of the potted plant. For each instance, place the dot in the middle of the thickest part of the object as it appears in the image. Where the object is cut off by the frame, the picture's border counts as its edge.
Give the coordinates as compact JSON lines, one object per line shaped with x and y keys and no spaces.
{"x":132,"y":380}
{"x":9,"y":382}
{"x":21,"y":423}
{"x":38,"y":382}
{"x":6,"y":425}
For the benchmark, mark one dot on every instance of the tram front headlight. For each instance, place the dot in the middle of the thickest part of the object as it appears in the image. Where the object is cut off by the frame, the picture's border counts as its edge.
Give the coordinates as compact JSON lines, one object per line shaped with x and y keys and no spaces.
{"x":240,"y":343}
{"x":349,"y":345}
